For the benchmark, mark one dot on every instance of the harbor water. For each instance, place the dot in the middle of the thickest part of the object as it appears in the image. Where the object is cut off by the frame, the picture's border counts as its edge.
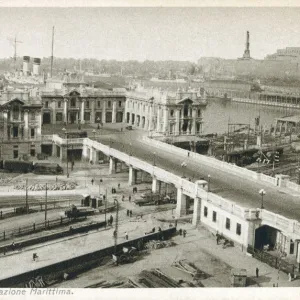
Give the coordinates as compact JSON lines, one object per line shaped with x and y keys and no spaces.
{"x":219,"y":113}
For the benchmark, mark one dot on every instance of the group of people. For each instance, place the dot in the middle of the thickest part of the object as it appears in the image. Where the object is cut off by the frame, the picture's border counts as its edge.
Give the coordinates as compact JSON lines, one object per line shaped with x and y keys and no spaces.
{"x":129,"y":213}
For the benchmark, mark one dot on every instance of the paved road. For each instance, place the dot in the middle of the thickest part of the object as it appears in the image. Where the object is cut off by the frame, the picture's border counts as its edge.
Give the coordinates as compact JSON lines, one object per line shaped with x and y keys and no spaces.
{"x":232,"y":187}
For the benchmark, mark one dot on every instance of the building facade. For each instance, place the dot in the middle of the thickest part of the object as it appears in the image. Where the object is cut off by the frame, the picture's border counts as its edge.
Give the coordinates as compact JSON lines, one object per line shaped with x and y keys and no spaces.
{"x":20,"y":119}
{"x":74,"y":103}
{"x":165,"y":113}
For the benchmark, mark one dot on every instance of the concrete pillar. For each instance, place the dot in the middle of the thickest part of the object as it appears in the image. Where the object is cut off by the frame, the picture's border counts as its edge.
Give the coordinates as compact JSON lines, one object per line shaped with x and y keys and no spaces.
{"x":150,"y":118}
{"x":112,"y":168}
{"x":159,"y":186}
{"x":181,"y":203}
{"x":104,"y":112}
{"x":177,"y":124}
{"x":54,"y":150}
{"x":132,"y":176}
{"x":154,"y":184}
{"x":65,"y":110}
{"x":114,"y":112}
{"x":197,"y":211}
{"x":82,"y":112}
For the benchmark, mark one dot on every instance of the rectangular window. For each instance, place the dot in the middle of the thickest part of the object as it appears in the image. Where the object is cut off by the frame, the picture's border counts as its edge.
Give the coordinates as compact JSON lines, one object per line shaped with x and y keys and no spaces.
{"x":227,"y":223}
{"x":172,"y":113}
{"x":73,"y":103}
{"x":199,"y":113}
{"x":32,"y":131}
{"x":59,"y":104}
{"x":120,"y":103}
{"x":87,"y":116}
{"x":205,"y":211}
{"x":33,"y":116}
{"x":292,"y":247}
{"x":87,"y":104}
{"x":214,"y":216}
{"x":32,"y":152}
{"x":59,"y":117}
{"x":109,"y":103}
{"x":99,"y":104}
{"x":238,"y":229}
{"x":15,"y":131}
{"x":46,"y":104}
{"x":16,"y":153}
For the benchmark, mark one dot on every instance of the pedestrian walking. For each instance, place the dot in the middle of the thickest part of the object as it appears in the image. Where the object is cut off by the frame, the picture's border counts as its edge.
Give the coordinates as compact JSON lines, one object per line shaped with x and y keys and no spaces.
{"x":257,"y":272}
{"x":218,"y":239}
{"x":92,"y":181}
{"x":184,"y":233}
{"x":126,"y":236}
{"x":34,"y":256}
{"x":130,"y":213}
{"x":115,"y":234}
{"x":127,"y":212}
{"x":111,"y":219}
{"x":129,"y":198}
{"x":119,"y":185}
{"x":188,"y":154}
{"x":123,"y":198}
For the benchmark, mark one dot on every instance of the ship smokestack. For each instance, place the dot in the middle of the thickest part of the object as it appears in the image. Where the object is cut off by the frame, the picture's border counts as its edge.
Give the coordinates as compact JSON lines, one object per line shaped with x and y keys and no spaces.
{"x":36,"y":66}
{"x":26,"y":60}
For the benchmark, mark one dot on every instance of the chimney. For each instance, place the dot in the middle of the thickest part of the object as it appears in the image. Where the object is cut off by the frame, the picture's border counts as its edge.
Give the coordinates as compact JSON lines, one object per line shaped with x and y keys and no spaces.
{"x":26,"y":60}
{"x":36,"y":66}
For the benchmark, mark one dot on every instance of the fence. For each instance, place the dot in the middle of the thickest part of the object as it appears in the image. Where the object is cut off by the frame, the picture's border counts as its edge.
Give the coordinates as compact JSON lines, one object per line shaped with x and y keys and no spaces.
{"x":271,"y":260}
{"x":35,"y":227}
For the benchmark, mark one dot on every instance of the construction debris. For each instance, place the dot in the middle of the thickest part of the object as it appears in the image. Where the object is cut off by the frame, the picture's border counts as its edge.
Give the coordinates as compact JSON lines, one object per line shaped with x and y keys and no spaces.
{"x":51,"y":187}
{"x":152,"y":245}
{"x":104,"y":284}
{"x":156,"y":279}
{"x":188,"y":267}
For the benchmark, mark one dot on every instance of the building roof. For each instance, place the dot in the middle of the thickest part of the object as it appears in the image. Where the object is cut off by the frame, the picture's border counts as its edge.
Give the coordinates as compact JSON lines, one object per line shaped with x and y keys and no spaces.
{"x":292,"y":119}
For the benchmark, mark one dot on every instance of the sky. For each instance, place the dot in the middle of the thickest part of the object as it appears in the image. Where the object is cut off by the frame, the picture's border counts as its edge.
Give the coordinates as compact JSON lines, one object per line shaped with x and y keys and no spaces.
{"x":148,"y":33}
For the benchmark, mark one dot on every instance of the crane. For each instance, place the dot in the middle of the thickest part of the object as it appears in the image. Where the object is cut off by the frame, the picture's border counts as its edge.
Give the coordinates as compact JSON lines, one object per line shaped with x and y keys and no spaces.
{"x":14,"y":43}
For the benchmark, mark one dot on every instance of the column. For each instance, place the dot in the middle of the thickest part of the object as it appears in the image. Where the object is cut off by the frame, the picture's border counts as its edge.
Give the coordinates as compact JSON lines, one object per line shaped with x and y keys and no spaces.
{"x":65,"y":110}
{"x":132,"y":176}
{"x":26,"y":124}
{"x":53,"y":112}
{"x":112,"y":169}
{"x":158,"y":119}
{"x":181,"y":203}
{"x":91,"y":154}
{"x":54,"y":150}
{"x":193,"y":131}
{"x":82,"y":112}
{"x":104,"y":112}
{"x":39,"y":126}
{"x":114,"y":112}
{"x":165,"y":128}
{"x":197,"y":211}
{"x":154,"y":184}
{"x":177,"y":125}
{"x":150,"y":118}
{"x":93,"y":111}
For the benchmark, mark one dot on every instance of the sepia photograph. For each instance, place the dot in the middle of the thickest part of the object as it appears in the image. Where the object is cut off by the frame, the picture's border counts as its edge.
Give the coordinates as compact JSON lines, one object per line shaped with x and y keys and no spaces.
{"x":149,"y":146}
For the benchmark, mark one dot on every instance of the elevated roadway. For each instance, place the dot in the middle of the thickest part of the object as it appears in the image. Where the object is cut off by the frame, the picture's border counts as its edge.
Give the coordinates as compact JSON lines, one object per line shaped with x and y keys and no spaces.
{"x":240,"y":190}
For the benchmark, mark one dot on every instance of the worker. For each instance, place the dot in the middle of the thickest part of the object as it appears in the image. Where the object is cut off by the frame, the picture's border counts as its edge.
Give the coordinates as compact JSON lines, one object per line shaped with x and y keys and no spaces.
{"x":92,"y":181}
{"x":184,"y":233}
{"x":126,"y":236}
{"x":119,"y":185}
{"x":130,"y":213}
{"x":129,"y":198}
{"x":127,"y":212}
{"x":34,"y":256}
{"x":111,"y":219}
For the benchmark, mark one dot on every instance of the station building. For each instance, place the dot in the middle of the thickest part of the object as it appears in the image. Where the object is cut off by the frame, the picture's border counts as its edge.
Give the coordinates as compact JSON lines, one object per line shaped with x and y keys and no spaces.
{"x":20,"y":124}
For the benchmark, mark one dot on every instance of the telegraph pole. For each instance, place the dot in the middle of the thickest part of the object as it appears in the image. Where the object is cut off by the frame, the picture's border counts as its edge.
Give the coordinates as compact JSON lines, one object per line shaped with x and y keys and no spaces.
{"x":52,"y":51}
{"x":26,"y":197}
{"x":46,"y":207}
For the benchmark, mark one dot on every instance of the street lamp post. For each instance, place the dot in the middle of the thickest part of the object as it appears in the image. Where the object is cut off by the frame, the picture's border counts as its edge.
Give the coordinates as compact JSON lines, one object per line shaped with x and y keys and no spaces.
{"x":262,"y":192}
{"x":66,"y":135}
{"x":208,"y":185}
{"x":183,"y":166}
{"x":116,"y":224}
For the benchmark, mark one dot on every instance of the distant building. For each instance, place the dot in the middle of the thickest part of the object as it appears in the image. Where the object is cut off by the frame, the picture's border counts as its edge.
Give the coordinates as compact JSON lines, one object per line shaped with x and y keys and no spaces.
{"x":165,"y":113}
{"x":20,"y":124}
{"x":287,"y":54}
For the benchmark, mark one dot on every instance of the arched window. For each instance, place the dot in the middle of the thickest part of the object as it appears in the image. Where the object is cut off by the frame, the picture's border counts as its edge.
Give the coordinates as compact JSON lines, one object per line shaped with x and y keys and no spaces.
{"x":16,"y":112}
